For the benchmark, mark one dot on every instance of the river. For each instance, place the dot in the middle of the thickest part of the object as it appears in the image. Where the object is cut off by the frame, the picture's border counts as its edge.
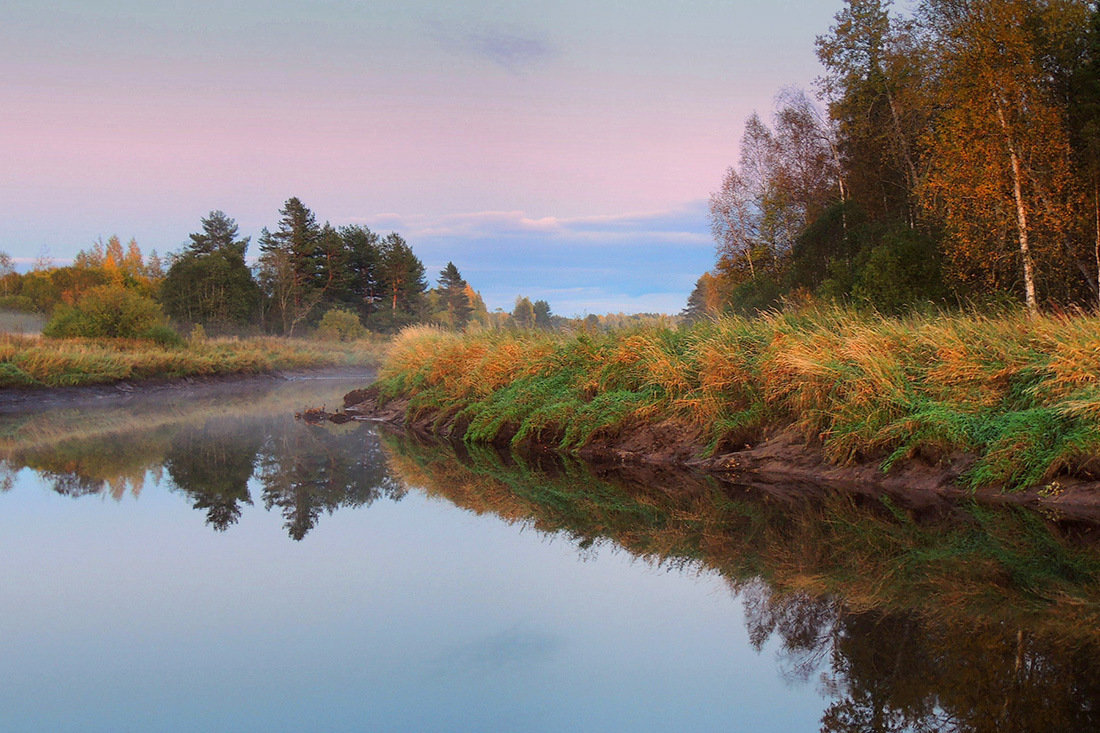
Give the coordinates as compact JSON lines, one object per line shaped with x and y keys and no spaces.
{"x":199,"y":560}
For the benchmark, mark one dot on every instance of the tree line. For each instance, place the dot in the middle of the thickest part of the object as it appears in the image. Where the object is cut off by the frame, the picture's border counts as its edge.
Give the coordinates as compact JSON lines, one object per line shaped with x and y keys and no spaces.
{"x":306,"y":275}
{"x":955,"y":158}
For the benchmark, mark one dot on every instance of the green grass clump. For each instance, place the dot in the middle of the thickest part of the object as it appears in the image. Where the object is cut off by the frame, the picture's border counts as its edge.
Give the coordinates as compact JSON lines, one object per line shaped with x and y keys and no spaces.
{"x":1020,"y":393}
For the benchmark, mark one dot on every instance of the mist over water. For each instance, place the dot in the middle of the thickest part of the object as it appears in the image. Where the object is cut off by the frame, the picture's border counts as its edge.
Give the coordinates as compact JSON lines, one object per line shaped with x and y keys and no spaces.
{"x":201,"y":560}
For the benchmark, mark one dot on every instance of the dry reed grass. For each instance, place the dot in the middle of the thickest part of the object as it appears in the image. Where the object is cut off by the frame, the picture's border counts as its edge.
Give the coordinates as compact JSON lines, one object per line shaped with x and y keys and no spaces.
{"x":1022,"y":393}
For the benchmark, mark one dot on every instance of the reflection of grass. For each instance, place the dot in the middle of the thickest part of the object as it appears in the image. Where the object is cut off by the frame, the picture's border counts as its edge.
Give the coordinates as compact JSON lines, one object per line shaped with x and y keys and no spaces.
{"x":971,"y":563}
{"x":26,"y":361}
{"x":1023,"y":394}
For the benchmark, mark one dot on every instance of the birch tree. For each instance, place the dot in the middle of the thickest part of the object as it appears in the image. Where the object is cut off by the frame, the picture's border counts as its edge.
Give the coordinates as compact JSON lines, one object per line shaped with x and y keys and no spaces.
{"x":999,"y":163}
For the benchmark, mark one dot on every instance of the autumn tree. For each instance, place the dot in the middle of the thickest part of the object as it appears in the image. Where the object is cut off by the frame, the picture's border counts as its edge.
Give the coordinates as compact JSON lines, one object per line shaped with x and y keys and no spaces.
{"x":1084,"y":94}
{"x":706,"y":299}
{"x":999,"y":167}
{"x":523,"y":314}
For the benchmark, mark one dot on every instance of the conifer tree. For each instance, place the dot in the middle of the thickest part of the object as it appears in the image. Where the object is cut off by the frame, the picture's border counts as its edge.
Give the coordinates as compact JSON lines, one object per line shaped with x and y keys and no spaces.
{"x":452,"y":289}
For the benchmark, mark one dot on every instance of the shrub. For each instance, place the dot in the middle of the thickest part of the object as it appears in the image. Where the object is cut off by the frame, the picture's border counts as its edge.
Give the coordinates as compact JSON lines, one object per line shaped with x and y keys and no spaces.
{"x":18,"y":303}
{"x":162,"y":334}
{"x":107,"y":311}
{"x":340,"y":325}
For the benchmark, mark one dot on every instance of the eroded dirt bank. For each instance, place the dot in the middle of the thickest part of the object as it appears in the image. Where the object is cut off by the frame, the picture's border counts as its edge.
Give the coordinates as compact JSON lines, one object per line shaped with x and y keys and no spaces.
{"x":780,"y":460}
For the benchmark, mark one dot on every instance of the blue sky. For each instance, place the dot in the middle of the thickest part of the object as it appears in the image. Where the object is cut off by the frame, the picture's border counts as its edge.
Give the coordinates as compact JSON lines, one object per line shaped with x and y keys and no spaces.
{"x":559,"y":150}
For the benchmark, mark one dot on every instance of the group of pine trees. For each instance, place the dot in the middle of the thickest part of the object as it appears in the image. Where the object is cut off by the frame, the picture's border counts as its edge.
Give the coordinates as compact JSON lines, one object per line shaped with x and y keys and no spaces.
{"x":957,"y":159}
{"x":304,"y":270}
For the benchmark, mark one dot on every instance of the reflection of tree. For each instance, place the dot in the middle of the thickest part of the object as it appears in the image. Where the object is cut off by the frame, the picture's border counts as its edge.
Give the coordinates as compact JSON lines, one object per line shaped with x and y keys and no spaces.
{"x":212,"y":464}
{"x":804,"y":623}
{"x":893,"y":671}
{"x":965,"y":618}
{"x":7,"y":475}
{"x":310,"y":470}
{"x":211,"y":456}
{"x":113,"y":463}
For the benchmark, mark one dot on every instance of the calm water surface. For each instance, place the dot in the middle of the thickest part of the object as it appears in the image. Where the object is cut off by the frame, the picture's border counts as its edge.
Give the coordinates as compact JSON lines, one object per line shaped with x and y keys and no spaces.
{"x":202,"y":561}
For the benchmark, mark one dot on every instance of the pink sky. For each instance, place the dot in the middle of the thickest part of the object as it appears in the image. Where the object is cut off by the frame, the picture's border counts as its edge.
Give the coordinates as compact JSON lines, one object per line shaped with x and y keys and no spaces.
{"x":138,"y":118}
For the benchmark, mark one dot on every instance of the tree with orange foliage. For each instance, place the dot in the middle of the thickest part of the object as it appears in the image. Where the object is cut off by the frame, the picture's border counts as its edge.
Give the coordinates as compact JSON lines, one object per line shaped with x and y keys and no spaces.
{"x":999,"y":167}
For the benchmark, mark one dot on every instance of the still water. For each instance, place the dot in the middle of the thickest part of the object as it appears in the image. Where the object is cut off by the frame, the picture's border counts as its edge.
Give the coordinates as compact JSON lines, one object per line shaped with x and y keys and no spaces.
{"x":202,"y":561}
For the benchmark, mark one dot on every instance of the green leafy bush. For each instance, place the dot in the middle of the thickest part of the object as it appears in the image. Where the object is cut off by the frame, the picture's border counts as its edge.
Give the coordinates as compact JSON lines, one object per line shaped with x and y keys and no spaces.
{"x":108,"y":311}
{"x":162,"y":334}
{"x":340,"y":325}
{"x":18,"y":303}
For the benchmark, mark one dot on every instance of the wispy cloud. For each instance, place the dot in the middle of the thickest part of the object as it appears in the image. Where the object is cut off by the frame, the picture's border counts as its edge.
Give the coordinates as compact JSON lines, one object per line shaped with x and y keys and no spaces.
{"x":641,"y":261}
{"x":511,"y":49}
{"x":686,"y":225}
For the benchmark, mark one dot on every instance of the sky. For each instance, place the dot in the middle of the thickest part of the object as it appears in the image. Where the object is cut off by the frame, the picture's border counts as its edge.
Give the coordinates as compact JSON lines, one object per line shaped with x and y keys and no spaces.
{"x":560,"y":150}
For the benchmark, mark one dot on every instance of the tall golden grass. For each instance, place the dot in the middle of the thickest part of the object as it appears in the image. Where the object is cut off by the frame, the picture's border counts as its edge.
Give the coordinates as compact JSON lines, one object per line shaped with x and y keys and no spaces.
{"x":1022,"y":393}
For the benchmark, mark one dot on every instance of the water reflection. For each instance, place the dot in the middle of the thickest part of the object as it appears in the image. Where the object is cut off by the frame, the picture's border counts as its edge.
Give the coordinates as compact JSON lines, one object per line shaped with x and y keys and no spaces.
{"x":213,"y":452}
{"x":930,"y":619}
{"x":905,"y":618}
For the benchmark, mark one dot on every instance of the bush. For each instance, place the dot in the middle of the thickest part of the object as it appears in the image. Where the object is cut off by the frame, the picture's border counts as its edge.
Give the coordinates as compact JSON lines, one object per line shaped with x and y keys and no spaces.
{"x":340,"y":325}
{"x":162,"y":334}
{"x":108,"y":311}
{"x":18,"y":303}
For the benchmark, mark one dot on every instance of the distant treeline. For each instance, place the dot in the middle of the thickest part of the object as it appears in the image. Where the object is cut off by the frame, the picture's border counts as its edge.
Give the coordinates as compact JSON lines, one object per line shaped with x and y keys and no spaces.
{"x":344,"y":280}
{"x":957,"y":160}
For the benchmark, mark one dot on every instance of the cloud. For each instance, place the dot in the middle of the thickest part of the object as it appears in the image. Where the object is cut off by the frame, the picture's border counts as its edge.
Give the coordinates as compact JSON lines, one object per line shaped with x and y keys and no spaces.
{"x":642,"y":261}
{"x":512,"y":50}
{"x":685,"y":225}
{"x":501,"y":652}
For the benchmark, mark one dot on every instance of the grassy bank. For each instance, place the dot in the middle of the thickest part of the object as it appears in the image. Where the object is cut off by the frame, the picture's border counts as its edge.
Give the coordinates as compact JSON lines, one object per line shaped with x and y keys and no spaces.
{"x":1021,"y":394}
{"x":27,"y":361}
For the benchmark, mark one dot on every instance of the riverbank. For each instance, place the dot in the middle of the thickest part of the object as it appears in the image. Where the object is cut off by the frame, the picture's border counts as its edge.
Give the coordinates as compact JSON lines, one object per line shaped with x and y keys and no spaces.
{"x":30,"y":365}
{"x":945,"y":404}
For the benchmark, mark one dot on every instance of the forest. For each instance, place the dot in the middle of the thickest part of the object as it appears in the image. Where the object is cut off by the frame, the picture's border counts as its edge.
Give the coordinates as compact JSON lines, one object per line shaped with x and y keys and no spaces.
{"x":954,"y":160}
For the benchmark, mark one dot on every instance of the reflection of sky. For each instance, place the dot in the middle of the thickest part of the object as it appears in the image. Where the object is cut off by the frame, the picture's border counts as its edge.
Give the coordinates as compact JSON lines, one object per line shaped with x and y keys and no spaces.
{"x":411,"y":615}
{"x":138,"y":118}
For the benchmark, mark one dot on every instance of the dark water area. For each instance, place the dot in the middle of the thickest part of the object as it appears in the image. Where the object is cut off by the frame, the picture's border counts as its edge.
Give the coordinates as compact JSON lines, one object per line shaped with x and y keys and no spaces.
{"x":201,"y":560}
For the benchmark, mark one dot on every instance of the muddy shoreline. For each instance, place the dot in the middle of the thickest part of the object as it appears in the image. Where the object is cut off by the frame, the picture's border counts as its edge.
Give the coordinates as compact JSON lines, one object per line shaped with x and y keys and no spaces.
{"x":781,"y":461}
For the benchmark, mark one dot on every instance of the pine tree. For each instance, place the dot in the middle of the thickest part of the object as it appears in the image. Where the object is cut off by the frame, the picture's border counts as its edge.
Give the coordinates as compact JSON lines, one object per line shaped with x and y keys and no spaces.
{"x":219,"y":233}
{"x":209,"y":282}
{"x":542,"y":314}
{"x":401,"y":280}
{"x":291,"y":265}
{"x":452,"y":289}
